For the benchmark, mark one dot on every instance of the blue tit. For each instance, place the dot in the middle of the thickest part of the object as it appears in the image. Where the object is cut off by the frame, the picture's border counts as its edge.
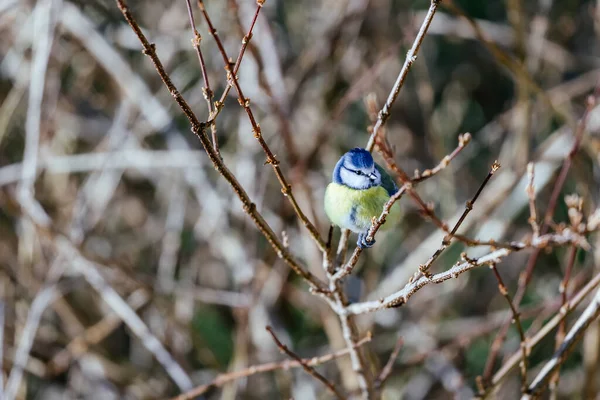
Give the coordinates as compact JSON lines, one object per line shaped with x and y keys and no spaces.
{"x":359,"y":190}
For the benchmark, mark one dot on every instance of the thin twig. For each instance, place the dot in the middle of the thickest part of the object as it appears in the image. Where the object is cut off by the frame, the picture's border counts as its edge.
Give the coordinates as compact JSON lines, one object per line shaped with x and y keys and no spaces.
{"x":562,"y":327}
{"x":517,"y":320}
{"x":89,"y":271}
{"x":244,"y":102}
{"x":588,"y":316}
{"x":222,"y":379}
{"x":411,"y":57}
{"x":310,"y":370}
{"x":389,"y":365}
{"x":424,"y":269}
{"x":425,"y":209}
{"x":526,"y":275}
{"x":206,"y":90}
{"x":400,"y":297}
{"x":516,"y":358}
{"x":463,"y":141}
{"x":375,"y":225}
{"x":42,"y":301}
{"x":530,"y":190}
{"x":199,"y":129}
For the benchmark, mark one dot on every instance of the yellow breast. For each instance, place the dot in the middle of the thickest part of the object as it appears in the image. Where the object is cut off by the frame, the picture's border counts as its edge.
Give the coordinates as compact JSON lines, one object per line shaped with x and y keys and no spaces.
{"x":353,"y":209}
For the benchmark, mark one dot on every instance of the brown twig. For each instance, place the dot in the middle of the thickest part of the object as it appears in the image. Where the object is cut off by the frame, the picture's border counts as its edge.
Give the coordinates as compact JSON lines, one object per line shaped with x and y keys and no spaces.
{"x":589,"y":315}
{"x":530,"y":190}
{"x":384,"y":114}
{"x":517,"y":320}
{"x":199,"y":129}
{"x":400,"y":297}
{"x":463,"y":141}
{"x":286,"y":188}
{"x":424,"y":268}
{"x":575,"y":205}
{"x":310,"y":370}
{"x":222,"y":379}
{"x":525,"y":276}
{"x":375,"y":225}
{"x":542,"y":333}
{"x":206,"y":90}
{"x":425,"y":209}
{"x":389,"y":365}
{"x":411,"y":57}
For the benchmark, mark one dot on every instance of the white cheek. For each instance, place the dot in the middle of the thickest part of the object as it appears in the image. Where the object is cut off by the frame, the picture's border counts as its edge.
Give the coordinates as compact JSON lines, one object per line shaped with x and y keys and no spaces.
{"x":352,"y":180}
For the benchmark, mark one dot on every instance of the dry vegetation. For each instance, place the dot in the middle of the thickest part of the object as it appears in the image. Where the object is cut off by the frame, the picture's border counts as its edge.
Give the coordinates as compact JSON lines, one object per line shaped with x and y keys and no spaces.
{"x":163,"y":234}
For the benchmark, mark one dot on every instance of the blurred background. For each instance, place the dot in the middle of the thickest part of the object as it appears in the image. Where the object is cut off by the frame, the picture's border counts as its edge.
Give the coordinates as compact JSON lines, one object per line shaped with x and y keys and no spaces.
{"x":93,"y":146}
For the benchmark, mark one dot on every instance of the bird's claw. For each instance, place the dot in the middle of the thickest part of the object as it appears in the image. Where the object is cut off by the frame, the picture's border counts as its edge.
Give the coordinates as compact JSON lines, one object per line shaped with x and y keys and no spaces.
{"x":363,"y":242}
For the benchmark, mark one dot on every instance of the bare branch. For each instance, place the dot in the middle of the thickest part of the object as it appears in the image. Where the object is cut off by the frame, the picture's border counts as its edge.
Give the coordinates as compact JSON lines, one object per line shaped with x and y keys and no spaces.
{"x":310,"y":370}
{"x":268,"y":367}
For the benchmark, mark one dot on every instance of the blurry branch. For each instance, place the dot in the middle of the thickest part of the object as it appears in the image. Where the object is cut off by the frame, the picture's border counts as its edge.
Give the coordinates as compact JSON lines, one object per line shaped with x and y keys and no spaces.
{"x":286,"y":188}
{"x":518,"y":69}
{"x":199,"y":129}
{"x":588,"y":316}
{"x":43,"y":299}
{"x":530,"y":190}
{"x":562,"y":327}
{"x":516,"y":358}
{"x":411,"y":57}
{"x":89,"y":271}
{"x":273,"y":366}
{"x":122,"y":159}
{"x":517,"y":320}
{"x":93,"y":335}
{"x":401,"y":297}
{"x":463,"y":141}
{"x":310,"y":370}
{"x":206,"y":90}
{"x":2,"y":321}
{"x":525,"y":276}
{"x":44,"y":23}
{"x":389,"y":365}
{"x":575,"y":212}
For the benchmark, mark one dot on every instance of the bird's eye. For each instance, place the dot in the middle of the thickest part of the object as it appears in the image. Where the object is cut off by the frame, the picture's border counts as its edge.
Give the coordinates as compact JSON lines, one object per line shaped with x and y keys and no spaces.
{"x":359,"y":172}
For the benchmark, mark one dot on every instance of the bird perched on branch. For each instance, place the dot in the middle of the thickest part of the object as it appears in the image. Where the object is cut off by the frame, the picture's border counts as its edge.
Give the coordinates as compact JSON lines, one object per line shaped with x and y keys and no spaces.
{"x":359,"y":190}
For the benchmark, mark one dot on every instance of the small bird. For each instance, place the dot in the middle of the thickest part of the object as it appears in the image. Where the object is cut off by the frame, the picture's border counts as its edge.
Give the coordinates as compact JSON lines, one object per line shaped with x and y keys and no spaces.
{"x":359,"y":190}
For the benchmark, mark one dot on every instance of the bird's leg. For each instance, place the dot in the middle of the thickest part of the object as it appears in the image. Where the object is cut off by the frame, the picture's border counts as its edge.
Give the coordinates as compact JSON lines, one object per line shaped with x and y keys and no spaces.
{"x":363,"y":243}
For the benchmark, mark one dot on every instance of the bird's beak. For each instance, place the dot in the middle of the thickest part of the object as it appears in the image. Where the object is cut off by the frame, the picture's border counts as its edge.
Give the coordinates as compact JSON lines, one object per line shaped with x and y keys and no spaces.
{"x":372,"y":176}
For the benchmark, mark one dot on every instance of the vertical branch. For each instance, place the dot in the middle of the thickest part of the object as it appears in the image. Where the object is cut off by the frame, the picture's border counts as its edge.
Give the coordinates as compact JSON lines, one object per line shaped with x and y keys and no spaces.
{"x":589,"y":315}
{"x":43,"y":299}
{"x":517,"y":320}
{"x":206,"y":90}
{"x":389,"y":365}
{"x":525,"y":276}
{"x":384,"y":114}
{"x":530,"y":190}
{"x":575,"y":206}
{"x":411,"y":57}
{"x":244,"y":102}
{"x":199,"y":130}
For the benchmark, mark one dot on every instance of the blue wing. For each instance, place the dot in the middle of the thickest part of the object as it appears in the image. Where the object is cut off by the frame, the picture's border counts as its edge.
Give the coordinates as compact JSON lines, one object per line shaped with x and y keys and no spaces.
{"x":386,"y":181}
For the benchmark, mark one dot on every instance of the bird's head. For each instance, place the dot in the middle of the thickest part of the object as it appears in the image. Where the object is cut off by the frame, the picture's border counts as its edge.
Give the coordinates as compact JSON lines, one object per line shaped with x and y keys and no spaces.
{"x":356,"y":169}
